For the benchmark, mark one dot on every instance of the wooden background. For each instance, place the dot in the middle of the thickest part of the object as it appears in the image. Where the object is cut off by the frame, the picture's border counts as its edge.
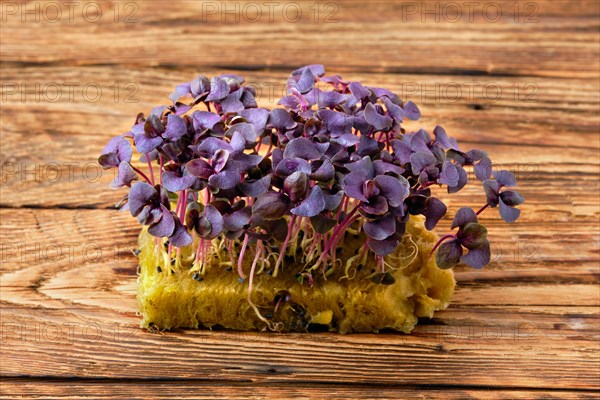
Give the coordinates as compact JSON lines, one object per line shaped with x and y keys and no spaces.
{"x":524,"y":86}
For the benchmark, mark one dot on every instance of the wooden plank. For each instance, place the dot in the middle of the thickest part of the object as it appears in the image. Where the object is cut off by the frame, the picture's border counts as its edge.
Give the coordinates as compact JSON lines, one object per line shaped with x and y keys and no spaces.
{"x":93,"y":342}
{"x":193,"y":390}
{"x":513,"y":38}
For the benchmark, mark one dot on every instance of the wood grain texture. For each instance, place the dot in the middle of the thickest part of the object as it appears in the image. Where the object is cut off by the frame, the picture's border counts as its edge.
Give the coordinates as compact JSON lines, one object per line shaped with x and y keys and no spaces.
{"x":540,"y":39}
{"x":525,"y":89}
{"x":203,"y":390}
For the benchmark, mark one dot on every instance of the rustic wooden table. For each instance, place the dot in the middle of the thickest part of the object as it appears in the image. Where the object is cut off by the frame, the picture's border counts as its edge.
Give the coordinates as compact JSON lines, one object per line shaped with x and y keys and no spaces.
{"x":519,"y":79}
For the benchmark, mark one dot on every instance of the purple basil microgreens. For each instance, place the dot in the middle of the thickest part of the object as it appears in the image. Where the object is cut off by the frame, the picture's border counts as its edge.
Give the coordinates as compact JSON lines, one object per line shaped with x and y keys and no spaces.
{"x":288,"y":183}
{"x":471,"y":236}
{"x":124,"y":177}
{"x":116,"y":151}
{"x":507,"y":199}
{"x":151,"y":206}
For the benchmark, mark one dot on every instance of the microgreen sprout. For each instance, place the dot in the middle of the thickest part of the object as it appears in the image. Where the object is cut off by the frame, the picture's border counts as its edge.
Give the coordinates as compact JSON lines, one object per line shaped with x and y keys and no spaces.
{"x":249,"y":186}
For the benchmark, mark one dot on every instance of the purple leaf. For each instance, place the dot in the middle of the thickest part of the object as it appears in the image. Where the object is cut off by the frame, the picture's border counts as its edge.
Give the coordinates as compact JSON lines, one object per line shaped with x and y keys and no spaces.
{"x":200,"y":86}
{"x":359,"y":91}
{"x":215,"y":221}
{"x":180,"y":236}
{"x":463,"y":216}
{"x":367,"y":146}
{"x":382,"y":167}
{"x":420,"y":160}
{"x":288,"y":166}
{"x":219,"y":159}
{"x":448,"y":254}
{"x":364,"y":165}
{"x":245,"y":131}
{"x":472,"y":235}
{"x":383,"y":247}
{"x":306,"y":81}
{"x":462,"y":180}
{"x":315,"y":69}
{"x":449,"y":175}
{"x":491,"y":188}
{"x":505,"y":178}
{"x":175,"y":180}
{"x":441,"y":137}
{"x":290,"y":102}
{"x":144,"y":144}
{"x":395,"y":190}
{"x":176,"y":127}
{"x":209,"y":146}
{"x":337,"y":123}
{"x":393,"y":110}
{"x":458,"y":156}
{"x":511,"y":198}
{"x":435,"y":209}
{"x":312,"y":205}
{"x":411,"y":111}
{"x":200,"y":168}
{"x":232,"y":103}
{"x":117,"y":150}
{"x":321,"y":223}
{"x":402,"y":150}
{"x":346,"y":140}
{"x":203,"y":120}
{"x":219,"y":89}
{"x":296,"y":186}
{"x":149,"y":215}
{"x":476,"y":154}
{"x":508,"y":213}
{"x":281,"y":120}
{"x":301,"y":148}
{"x":330,"y":99}
{"x":353,"y":185}
{"x":244,"y":162}
{"x":378,"y":121}
{"x":248,"y":98}
{"x":180,"y":91}
{"x":381,"y":92}
{"x":477,"y":258}
{"x":140,"y":194}
{"x":376,"y":206}
{"x":332,"y":201}
{"x":257,"y":187}
{"x":165,"y":226}
{"x":483,"y":169}
{"x":381,"y":229}
{"x":225,"y":179}
{"x":323,"y":171}
{"x":257,"y":117}
{"x":124,"y":177}
{"x":237,"y":220}
{"x":270,"y":206}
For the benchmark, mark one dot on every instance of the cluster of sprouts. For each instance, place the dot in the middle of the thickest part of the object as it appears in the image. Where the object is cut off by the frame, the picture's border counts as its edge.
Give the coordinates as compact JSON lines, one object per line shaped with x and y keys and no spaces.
{"x":285,"y":185}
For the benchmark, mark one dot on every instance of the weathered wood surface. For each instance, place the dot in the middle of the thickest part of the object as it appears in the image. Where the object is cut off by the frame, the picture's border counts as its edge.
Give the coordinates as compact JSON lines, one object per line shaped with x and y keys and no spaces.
{"x":526,"y":327}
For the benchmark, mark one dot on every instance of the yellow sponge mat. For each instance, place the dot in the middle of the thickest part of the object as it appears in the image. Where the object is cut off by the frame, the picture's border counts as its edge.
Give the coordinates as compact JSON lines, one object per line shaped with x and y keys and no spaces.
{"x":172,"y":299}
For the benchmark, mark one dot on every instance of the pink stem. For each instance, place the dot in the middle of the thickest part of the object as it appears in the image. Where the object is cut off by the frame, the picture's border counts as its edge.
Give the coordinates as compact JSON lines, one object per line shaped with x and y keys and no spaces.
{"x":439,"y":242}
{"x":151,"y":170}
{"x":482,"y":208}
{"x":162,"y":166}
{"x":142,"y":175}
{"x":240,"y":264}
{"x":183,"y":206}
{"x":284,"y":246}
